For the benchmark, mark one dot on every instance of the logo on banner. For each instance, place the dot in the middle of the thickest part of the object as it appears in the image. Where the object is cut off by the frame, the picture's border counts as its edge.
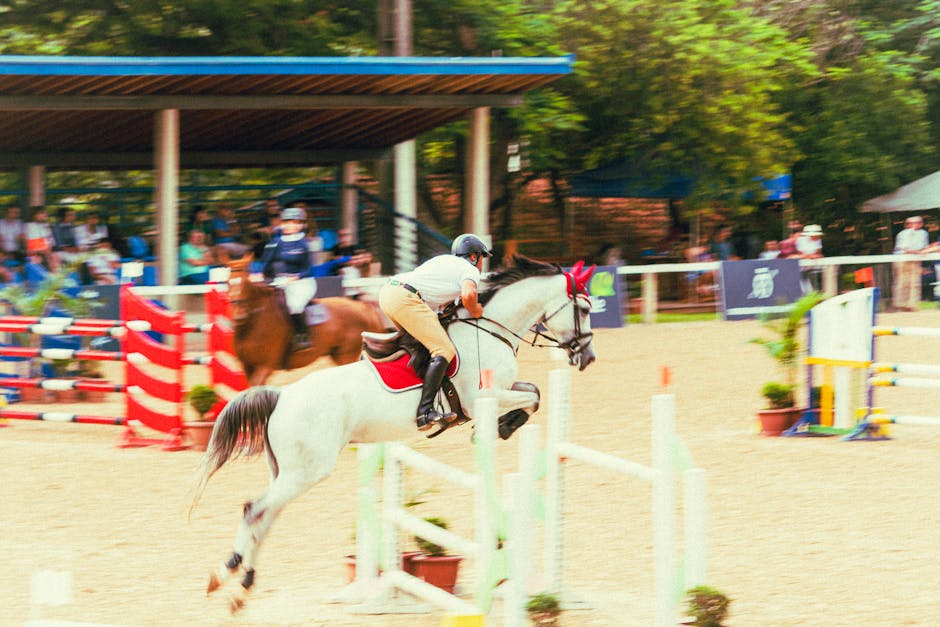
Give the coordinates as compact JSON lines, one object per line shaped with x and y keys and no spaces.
{"x":601,"y":286}
{"x":762,"y":283}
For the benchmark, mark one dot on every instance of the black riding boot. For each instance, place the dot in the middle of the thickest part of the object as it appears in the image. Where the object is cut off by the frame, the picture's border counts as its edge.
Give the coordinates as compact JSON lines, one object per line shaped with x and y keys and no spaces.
{"x":427,"y":415}
{"x":301,"y":332}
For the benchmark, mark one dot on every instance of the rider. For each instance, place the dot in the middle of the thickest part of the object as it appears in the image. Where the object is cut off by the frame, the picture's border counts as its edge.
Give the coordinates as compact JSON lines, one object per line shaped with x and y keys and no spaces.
{"x":286,"y":261}
{"x":413,"y":299}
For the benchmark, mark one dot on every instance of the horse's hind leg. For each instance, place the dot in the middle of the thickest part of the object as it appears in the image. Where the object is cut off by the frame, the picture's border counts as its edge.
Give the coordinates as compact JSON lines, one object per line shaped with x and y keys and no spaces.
{"x":257,"y":518}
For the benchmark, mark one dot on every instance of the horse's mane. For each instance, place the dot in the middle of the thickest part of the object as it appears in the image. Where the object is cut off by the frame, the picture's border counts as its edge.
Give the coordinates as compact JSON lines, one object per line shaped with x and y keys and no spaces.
{"x":520,"y":267}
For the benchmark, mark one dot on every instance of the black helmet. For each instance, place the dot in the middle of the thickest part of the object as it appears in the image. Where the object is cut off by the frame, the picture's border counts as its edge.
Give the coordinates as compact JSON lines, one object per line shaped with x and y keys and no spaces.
{"x":468,"y":244}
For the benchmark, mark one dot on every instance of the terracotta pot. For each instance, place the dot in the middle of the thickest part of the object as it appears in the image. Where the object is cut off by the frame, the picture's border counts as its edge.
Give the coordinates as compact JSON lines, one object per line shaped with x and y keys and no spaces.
{"x":197,"y":433}
{"x":36,"y":395}
{"x":93,"y":396}
{"x":440,"y":571}
{"x":407,"y":564}
{"x":67,"y":396}
{"x":773,"y":422}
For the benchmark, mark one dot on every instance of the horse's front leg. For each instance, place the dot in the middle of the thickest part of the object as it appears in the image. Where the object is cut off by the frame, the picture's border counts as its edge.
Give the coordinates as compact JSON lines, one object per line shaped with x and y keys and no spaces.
{"x":515,"y":406}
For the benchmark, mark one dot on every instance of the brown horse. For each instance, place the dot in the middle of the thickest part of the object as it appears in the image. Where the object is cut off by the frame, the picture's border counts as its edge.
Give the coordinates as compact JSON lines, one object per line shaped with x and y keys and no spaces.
{"x":263,"y":329}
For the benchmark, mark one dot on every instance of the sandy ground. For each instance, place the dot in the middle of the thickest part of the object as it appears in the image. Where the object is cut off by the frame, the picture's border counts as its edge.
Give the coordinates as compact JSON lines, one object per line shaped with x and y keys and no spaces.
{"x":803,"y":531}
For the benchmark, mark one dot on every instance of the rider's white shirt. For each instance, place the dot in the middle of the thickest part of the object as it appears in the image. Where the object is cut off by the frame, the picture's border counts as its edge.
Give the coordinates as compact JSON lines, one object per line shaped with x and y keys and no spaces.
{"x":439,"y":279}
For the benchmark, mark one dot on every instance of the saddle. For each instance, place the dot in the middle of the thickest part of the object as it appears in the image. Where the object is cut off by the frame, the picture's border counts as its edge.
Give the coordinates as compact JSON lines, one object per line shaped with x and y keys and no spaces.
{"x":401,"y":361}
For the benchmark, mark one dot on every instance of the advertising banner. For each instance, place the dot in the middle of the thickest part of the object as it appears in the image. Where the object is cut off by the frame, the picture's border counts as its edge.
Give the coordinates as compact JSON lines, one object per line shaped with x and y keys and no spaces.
{"x":752,"y":287}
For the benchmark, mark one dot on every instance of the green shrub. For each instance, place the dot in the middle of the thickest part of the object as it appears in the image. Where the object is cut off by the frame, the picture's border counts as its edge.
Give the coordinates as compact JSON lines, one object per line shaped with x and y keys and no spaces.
{"x":202,"y":398}
{"x":779,"y":395}
{"x":426,"y":546}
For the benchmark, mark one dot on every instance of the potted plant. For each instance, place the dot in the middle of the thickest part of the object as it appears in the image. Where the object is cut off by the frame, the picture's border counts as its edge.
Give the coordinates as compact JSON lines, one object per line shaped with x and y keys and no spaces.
{"x":203,"y":399}
{"x":406,"y":556}
{"x":786,"y":349}
{"x":543,"y":609}
{"x":434,"y":565}
{"x":91,"y":370}
{"x":706,"y":606}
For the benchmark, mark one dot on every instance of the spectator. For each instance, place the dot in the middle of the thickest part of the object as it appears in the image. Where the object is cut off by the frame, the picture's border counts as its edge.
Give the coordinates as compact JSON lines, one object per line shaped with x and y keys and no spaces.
{"x":224,"y":226}
{"x":7,"y":275}
{"x":63,"y":232}
{"x":809,"y":243}
{"x":104,"y":263}
{"x":788,"y":244}
{"x":12,"y":232}
{"x":809,"y":246}
{"x":195,"y":259}
{"x":912,"y":240}
{"x":771,"y":250}
{"x":200,"y":220}
{"x":349,"y":260}
{"x":89,"y":233}
{"x":39,"y":240}
{"x":271,"y":219}
{"x":721,"y":248}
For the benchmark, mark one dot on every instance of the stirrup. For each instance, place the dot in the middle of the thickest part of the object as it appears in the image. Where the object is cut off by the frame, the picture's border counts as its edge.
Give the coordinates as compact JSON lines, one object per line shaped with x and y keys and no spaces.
{"x":434,"y":419}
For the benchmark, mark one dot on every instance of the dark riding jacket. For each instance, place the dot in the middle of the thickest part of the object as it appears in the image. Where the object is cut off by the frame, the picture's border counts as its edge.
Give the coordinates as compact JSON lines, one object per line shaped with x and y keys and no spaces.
{"x":286,"y":257}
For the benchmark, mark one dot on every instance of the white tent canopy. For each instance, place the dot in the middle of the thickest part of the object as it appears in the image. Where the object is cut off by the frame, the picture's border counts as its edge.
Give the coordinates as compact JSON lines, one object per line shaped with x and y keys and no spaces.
{"x":920,"y":195}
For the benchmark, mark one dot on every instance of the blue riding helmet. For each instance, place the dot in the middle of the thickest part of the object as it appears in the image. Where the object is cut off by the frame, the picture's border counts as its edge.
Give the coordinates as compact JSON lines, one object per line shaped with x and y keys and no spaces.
{"x":469,"y":244}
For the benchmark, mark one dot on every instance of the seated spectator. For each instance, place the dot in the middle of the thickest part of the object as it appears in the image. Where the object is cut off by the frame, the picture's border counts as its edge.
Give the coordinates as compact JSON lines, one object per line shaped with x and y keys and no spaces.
{"x":103,"y":263}
{"x":195,"y":259}
{"x":63,"y":232}
{"x":12,"y":231}
{"x":7,"y":275}
{"x":39,"y":240}
{"x":89,"y":233}
{"x":225,"y":229}
{"x":200,"y":220}
{"x":349,"y":260}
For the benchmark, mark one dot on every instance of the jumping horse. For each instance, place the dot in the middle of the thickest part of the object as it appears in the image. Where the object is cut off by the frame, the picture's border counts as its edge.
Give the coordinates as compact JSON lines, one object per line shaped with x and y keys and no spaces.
{"x":264,"y":333}
{"x":303,"y":426}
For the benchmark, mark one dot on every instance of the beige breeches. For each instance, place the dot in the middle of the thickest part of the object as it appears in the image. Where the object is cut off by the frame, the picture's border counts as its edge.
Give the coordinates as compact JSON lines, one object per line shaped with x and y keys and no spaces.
{"x":410,"y":313}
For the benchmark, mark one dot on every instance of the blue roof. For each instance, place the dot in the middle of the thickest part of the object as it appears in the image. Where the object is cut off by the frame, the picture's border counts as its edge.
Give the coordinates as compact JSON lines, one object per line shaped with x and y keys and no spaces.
{"x":197,"y":66}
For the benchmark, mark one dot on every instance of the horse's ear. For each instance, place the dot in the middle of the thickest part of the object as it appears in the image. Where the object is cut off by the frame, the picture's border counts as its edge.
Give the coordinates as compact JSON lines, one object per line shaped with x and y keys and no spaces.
{"x":576,"y":268}
{"x":582,"y":277}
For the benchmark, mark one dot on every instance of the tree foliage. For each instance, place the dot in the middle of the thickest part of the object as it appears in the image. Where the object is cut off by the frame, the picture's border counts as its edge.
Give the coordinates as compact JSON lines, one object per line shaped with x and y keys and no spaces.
{"x":843,"y":93}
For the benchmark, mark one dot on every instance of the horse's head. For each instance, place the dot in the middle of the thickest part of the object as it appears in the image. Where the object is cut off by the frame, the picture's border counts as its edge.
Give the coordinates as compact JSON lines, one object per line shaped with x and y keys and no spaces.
{"x":570,"y":323}
{"x":245,"y":296}
{"x":558,"y":304}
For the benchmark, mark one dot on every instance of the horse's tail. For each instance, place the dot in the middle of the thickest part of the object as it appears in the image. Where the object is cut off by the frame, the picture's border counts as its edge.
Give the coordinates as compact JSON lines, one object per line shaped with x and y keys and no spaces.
{"x":241,"y":429}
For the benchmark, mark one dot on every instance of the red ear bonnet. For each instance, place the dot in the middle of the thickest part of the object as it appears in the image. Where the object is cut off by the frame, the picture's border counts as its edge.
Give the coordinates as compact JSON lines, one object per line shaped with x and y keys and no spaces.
{"x":581,"y":278}
{"x":578,"y":278}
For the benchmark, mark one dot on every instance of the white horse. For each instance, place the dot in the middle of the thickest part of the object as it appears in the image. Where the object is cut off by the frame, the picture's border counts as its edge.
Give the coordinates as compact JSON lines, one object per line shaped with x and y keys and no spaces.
{"x":303,"y":426}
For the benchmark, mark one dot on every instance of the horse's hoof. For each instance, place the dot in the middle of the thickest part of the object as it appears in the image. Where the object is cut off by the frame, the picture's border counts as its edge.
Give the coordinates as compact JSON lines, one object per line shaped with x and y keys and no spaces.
{"x":214,"y":584}
{"x":235,"y":604}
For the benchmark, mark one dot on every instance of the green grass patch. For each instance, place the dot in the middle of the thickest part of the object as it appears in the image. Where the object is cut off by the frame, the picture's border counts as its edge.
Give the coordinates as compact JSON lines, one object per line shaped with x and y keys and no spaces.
{"x":675,"y":317}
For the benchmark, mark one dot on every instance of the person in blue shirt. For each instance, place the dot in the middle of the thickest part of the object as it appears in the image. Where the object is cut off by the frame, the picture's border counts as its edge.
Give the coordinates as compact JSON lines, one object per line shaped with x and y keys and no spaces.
{"x":286,"y":263}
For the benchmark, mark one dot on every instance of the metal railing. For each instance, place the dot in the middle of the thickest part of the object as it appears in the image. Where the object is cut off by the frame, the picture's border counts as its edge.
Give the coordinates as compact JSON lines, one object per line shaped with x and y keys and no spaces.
{"x":829,"y":266}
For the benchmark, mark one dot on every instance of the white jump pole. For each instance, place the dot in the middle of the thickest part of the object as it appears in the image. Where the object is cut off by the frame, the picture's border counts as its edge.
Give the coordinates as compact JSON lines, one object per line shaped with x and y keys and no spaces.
{"x":664,"y":508}
{"x":696,"y":527}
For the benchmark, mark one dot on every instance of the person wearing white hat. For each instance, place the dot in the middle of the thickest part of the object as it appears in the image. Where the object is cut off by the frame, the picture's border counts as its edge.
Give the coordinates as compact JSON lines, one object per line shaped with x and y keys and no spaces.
{"x":809,"y":246}
{"x":912,"y":240}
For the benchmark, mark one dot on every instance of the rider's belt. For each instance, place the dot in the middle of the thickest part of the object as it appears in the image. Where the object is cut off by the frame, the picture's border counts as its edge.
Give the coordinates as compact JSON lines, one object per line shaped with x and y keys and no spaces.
{"x":410,"y":288}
